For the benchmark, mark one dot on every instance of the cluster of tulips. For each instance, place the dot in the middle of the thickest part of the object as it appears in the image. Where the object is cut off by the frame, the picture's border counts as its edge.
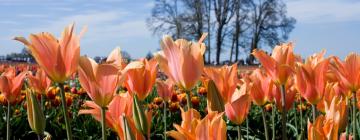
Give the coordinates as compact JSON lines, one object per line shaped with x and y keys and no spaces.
{"x":210,"y":99}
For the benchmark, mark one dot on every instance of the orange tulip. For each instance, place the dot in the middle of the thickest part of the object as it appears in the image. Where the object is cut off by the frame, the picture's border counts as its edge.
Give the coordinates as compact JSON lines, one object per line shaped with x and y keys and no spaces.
{"x":212,"y":127}
{"x":289,"y":98}
{"x":11,"y":84}
{"x":58,"y":58}
{"x":281,"y":63}
{"x":115,"y":58}
{"x":332,"y":91}
{"x":140,"y":81}
{"x":348,"y":71}
{"x":225,"y":79}
{"x":182,"y":61}
{"x":99,"y":80}
{"x":120,"y":105}
{"x":164,"y":89}
{"x":310,"y":78}
{"x":40,"y":82}
{"x":261,"y":87}
{"x":322,"y":129}
{"x":337,"y":112}
{"x":238,"y":108}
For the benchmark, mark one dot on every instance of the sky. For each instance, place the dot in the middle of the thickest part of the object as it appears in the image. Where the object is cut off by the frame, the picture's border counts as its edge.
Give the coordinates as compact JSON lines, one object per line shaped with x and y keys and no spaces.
{"x":333,"y":25}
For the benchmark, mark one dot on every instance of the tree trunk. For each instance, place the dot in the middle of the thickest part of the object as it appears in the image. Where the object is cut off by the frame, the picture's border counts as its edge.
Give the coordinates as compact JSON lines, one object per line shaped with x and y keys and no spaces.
{"x":218,"y":43}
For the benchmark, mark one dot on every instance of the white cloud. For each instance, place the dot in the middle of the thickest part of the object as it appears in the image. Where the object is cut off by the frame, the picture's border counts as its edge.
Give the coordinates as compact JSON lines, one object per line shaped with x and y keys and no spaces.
{"x":322,"y":11}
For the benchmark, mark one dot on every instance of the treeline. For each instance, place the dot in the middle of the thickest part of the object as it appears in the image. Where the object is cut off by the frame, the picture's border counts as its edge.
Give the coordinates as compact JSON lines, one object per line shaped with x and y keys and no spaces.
{"x":232,"y":25}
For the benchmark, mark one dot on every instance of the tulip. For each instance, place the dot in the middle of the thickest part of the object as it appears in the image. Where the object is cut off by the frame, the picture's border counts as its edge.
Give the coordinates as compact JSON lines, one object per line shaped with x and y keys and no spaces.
{"x":280,"y":64}
{"x":260,"y":92}
{"x":261,"y":88}
{"x":140,"y":81}
{"x":280,"y":67}
{"x":165,"y":90}
{"x":59,"y":58}
{"x":11,"y":84}
{"x":212,"y":127}
{"x":40,"y":82}
{"x":289,"y":99}
{"x":311,"y":80}
{"x":10,"y":87}
{"x":348,"y":74}
{"x":322,"y":129}
{"x":35,"y":114}
{"x":336,"y":111}
{"x":225,"y":79}
{"x":239,"y":107}
{"x":99,"y":80}
{"x":182,"y":61}
{"x":119,"y":106}
{"x":332,"y":90}
{"x":115,"y":58}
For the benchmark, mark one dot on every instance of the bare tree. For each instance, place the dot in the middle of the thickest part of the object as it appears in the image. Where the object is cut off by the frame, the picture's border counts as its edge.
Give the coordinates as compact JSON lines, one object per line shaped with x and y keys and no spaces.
{"x":166,"y":19}
{"x":223,"y":14}
{"x":270,"y":25}
{"x":240,"y":25}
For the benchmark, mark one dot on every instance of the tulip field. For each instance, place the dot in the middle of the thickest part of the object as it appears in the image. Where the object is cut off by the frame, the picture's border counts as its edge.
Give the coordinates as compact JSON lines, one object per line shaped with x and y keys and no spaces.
{"x":174,"y":95}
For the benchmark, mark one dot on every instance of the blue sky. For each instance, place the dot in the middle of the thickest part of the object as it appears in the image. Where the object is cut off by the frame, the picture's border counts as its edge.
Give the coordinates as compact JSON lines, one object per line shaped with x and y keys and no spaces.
{"x":333,"y":25}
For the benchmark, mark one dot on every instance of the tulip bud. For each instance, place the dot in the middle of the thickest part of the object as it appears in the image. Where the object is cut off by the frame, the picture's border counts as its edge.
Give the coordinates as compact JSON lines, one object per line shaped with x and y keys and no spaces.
{"x":215,"y":101}
{"x":36,"y":116}
{"x":140,"y":119}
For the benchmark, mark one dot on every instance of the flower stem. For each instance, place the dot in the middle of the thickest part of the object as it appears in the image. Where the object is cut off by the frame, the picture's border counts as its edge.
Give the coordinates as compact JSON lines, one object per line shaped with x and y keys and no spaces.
{"x":188,"y":100}
{"x":273,"y":121}
{"x":8,"y":122}
{"x":42,"y":99}
{"x":313,"y":112}
{"x":354,"y":115}
{"x":64,"y":108}
{"x":165,"y":120}
{"x":103,"y":109}
{"x":239,"y":132}
{"x":247,"y":128}
{"x":301,"y":117}
{"x":283,"y":112}
{"x":265,"y":125}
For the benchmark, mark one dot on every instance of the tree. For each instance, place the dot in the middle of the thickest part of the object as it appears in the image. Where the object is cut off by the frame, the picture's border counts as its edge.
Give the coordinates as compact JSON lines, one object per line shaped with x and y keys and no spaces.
{"x":270,"y":25}
{"x":166,"y":19}
{"x":223,"y":13}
